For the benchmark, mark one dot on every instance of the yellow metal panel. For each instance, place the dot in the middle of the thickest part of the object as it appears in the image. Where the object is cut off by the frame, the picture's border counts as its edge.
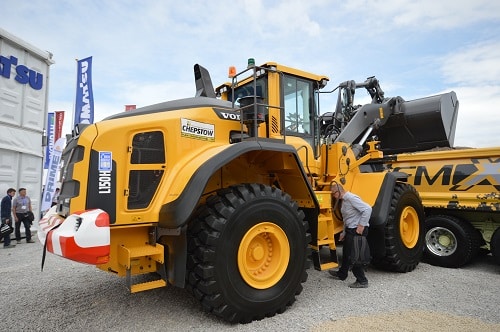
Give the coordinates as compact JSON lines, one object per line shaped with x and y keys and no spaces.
{"x":367,"y":186}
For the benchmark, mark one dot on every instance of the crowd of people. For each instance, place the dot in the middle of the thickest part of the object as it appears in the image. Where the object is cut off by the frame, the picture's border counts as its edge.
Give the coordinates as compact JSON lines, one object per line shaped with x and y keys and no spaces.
{"x":16,"y":211}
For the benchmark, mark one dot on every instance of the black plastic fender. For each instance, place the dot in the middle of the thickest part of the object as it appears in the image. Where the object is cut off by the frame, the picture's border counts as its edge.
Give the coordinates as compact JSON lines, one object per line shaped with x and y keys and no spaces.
{"x":380,"y":211}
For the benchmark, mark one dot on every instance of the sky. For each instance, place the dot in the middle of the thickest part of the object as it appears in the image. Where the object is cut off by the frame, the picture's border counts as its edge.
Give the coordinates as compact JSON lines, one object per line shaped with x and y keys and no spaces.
{"x":143,"y":51}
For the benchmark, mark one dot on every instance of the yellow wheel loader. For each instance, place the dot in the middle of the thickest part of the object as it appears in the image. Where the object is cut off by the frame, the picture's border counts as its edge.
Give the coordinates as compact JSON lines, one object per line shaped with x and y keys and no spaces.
{"x":228,"y":193}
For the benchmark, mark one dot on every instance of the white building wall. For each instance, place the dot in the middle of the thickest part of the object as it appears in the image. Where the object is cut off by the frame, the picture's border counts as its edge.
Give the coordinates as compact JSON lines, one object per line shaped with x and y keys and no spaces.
{"x":23,"y":117}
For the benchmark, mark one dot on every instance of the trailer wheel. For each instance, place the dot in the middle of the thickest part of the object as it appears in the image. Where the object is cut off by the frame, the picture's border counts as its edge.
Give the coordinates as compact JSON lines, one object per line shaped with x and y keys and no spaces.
{"x":495,"y":245}
{"x":449,"y":241}
{"x":247,"y":253}
{"x":404,"y":232}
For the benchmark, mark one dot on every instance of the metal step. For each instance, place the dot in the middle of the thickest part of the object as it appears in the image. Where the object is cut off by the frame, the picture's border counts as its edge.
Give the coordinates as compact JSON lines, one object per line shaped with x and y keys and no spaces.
{"x":135,"y":288}
{"x":142,"y":260}
{"x":129,"y":256}
{"x":330,"y":263}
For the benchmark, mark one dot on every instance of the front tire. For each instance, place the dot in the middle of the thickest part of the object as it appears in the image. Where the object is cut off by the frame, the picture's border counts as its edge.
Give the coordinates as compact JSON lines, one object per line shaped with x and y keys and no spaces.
{"x":449,"y":241}
{"x":404,"y":231}
{"x":247,"y":253}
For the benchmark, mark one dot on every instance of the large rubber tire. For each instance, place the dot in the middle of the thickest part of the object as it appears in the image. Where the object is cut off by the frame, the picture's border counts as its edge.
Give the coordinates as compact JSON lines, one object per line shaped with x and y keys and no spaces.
{"x":450,"y":241}
{"x":495,"y":246}
{"x":404,"y":231}
{"x":247,"y":253}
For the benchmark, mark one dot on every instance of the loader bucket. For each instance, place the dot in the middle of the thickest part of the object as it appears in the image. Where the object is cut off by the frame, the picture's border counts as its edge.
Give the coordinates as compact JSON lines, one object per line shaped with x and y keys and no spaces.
{"x":420,"y":124}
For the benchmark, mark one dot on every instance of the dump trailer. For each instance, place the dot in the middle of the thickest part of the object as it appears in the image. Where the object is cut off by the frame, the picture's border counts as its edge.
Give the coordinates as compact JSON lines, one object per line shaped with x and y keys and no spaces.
{"x":227,"y":193}
{"x":459,"y":187}
{"x":460,"y":190}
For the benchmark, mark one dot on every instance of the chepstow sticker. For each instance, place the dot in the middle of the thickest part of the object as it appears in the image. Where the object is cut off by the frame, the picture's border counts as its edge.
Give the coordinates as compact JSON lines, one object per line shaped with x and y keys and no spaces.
{"x":197,"y":130}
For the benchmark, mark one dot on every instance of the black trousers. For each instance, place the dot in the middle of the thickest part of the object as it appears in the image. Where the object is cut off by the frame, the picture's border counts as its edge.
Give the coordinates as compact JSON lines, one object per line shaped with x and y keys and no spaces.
{"x":22,"y":218}
{"x":358,"y":271}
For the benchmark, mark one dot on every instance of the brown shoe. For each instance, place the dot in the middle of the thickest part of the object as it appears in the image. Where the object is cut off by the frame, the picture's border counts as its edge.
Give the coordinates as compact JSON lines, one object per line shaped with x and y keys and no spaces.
{"x":30,"y":241}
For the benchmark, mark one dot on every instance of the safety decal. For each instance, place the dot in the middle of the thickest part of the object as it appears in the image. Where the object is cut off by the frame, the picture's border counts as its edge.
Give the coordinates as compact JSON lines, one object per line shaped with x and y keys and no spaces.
{"x":197,"y":130}
{"x":105,"y":161}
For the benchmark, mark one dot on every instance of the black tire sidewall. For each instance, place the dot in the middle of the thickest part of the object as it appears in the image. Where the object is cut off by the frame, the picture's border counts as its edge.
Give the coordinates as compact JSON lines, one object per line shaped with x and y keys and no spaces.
{"x":464,"y":251}
{"x":413,"y":255}
{"x":276,"y":209}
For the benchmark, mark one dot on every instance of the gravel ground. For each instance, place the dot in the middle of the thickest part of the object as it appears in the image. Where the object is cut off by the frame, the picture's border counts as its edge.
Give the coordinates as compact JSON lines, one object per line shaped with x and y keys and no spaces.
{"x":73,"y":297}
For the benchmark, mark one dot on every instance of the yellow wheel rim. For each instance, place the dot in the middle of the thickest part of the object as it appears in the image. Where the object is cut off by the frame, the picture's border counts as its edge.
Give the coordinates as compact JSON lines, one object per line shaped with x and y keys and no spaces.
{"x":409,"y":227}
{"x":263,"y":255}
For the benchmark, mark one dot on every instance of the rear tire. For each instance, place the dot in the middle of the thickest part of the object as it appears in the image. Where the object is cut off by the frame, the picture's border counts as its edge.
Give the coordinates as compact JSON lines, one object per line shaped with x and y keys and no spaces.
{"x":247,"y":253}
{"x":450,"y":241}
{"x":404,"y":231}
{"x":495,"y":246}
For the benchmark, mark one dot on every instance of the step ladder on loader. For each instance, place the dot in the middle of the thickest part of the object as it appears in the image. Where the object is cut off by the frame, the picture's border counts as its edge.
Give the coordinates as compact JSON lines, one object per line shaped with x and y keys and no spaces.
{"x":142,"y":260}
{"x":325,"y":234}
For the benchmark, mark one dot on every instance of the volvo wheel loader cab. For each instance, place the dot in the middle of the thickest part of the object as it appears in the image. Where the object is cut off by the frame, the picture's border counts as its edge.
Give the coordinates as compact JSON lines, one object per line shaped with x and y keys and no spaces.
{"x":226,"y":193}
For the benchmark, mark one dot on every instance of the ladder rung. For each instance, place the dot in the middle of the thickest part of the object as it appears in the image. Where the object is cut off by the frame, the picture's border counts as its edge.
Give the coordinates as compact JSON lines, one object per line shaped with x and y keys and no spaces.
{"x":324,"y":242}
{"x":328,"y":266}
{"x":143,"y":251}
{"x":147,"y":285}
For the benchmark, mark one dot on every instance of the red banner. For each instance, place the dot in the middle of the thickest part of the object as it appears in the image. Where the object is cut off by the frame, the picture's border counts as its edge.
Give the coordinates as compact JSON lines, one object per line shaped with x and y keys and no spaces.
{"x":58,"y":124}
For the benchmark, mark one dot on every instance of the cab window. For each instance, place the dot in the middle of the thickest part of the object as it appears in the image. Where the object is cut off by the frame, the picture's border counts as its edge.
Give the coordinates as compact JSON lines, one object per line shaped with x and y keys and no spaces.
{"x":298,"y":101}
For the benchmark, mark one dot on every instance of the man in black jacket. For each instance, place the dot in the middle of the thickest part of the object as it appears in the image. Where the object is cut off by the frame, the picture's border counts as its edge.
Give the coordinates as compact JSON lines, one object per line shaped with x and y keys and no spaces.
{"x":6,"y":215}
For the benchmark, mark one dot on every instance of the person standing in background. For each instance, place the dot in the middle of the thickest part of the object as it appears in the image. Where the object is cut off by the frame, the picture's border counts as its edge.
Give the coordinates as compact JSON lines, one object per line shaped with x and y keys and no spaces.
{"x":21,"y":205}
{"x":6,"y":215}
{"x":55,"y":197}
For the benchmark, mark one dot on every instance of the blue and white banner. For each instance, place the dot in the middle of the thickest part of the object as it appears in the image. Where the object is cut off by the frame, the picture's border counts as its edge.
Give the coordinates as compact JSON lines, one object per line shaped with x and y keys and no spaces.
{"x":84,"y":105}
{"x":50,"y":139}
{"x":52,"y":174}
